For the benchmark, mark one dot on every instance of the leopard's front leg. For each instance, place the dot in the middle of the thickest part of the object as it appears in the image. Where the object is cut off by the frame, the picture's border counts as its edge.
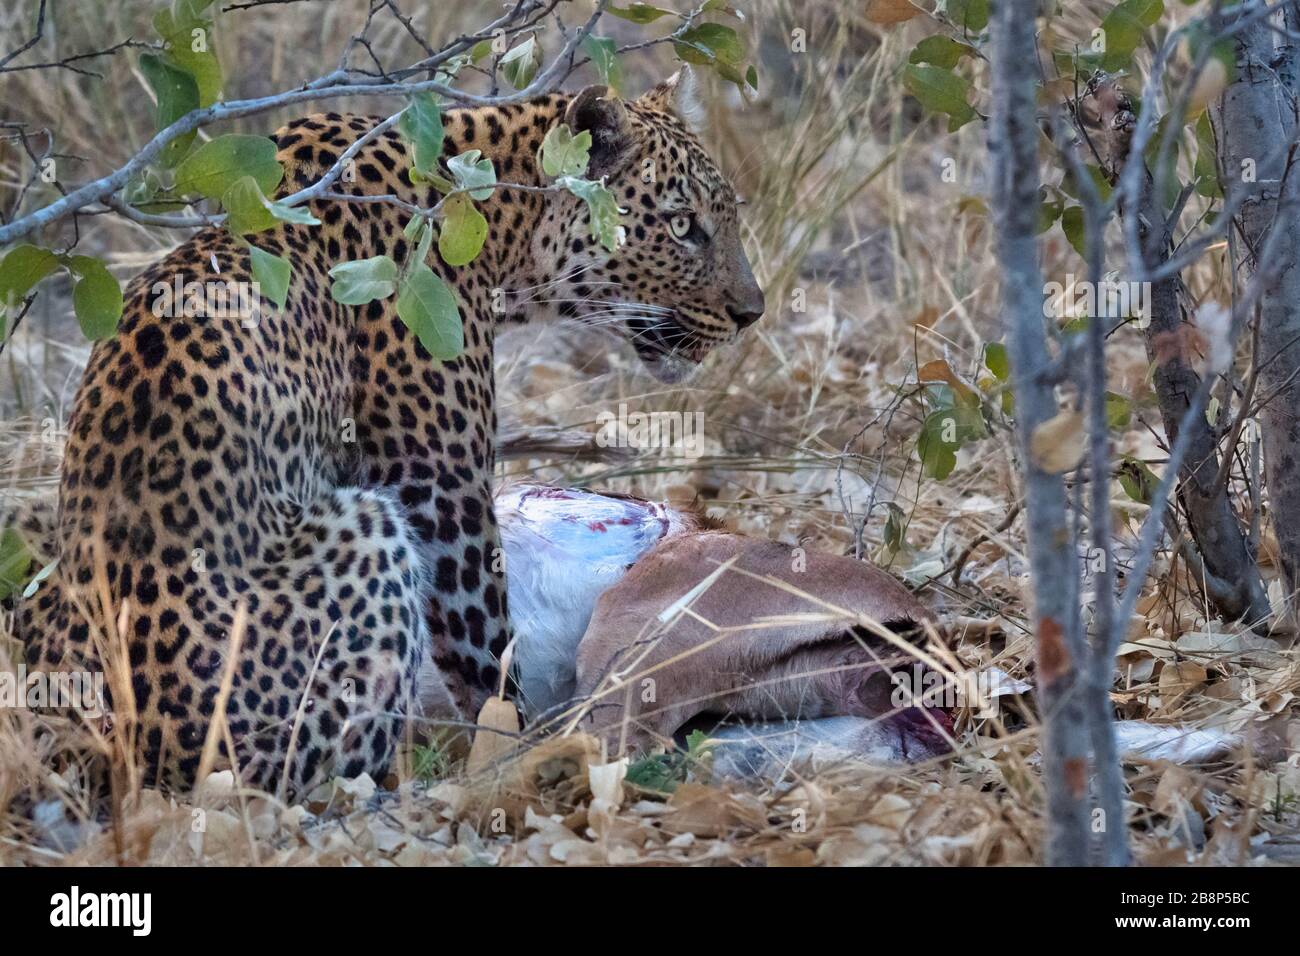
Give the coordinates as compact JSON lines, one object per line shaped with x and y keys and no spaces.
{"x":426,"y":431}
{"x":468,"y":618}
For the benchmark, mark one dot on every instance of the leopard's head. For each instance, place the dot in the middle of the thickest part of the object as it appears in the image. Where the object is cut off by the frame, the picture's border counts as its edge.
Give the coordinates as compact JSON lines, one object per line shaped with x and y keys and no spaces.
{"x":679,"y":283}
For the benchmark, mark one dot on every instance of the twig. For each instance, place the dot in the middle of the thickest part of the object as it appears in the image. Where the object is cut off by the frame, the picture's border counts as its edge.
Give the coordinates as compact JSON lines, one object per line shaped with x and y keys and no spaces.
{"x":336,"y":84}
{"x":957,"y":565}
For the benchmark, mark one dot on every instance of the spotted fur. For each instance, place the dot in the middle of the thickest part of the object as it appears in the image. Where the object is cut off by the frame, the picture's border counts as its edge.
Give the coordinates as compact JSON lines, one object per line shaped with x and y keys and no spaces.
{"x":324,"y":470}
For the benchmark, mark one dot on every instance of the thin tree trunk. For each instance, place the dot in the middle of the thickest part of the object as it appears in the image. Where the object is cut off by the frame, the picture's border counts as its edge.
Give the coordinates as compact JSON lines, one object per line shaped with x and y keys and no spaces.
{"x":1053,"y":561}
{"x":1256,"y":115}
{"x":1112,"y":845}
{"x":1229,"y":573}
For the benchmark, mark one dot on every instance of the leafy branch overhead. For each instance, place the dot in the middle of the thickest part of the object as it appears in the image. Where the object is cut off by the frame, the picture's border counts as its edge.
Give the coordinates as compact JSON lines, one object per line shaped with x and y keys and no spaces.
{"x":236,"y":180}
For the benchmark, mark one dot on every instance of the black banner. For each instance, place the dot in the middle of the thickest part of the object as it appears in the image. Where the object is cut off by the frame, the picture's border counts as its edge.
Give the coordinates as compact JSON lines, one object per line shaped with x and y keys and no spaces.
{"x":336,"y":906}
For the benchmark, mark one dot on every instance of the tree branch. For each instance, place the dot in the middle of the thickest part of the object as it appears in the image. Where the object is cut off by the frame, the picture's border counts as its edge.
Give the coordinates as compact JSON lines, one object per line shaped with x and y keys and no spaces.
{"x":339,"y":83}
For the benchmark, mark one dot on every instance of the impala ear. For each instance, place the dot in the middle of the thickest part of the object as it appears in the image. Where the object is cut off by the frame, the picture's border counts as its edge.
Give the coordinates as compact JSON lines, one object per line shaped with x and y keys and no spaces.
{"x":601,"y":113}
{"x":679,"y":95}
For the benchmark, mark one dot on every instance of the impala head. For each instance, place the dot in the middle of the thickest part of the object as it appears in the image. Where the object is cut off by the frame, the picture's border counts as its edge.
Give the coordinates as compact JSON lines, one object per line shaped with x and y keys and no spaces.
{"x":679,"y":284}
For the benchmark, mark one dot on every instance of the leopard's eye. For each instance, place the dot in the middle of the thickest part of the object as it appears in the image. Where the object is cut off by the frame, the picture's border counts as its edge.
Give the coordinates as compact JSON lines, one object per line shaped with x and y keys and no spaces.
{"x":680,"y":225}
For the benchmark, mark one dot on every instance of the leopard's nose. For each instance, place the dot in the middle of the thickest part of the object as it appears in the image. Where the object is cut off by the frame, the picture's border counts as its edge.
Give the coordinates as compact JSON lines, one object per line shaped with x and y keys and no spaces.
{"x":745,"y":316}
{"x":743,"y":295}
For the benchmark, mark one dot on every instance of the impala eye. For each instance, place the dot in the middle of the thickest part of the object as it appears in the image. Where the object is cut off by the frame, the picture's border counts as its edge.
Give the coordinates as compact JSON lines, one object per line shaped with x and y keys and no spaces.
{"x":680,"y":226}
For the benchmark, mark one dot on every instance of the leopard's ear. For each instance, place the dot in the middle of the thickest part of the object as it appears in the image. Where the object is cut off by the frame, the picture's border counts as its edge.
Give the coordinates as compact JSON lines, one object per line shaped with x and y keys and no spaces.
{"x":679,"y":95}
{"x":601,"y":113}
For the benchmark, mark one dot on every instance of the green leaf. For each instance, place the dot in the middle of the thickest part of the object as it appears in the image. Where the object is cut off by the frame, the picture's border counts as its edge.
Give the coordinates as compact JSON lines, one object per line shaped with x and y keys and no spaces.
{"x":1206,"y":169}
{"x":657,"y":773}
{"x":696,"y":742}
{"x":463,"y":231}
{"x":145,"y":192}
{"x":21,"y":268}
{"x":470,"y":171}
{"x":520,"y":63}
{"x":200,"y":64}
{"x":1123,"y":28}
{"x":995,"y":360}
{"x":363,"y":280}
{"x":604,"y":59}
{"x":895,"y":535}
{"x":971,"y":16}
{"x":732,"y":74}
{"x":250,"y":212}
{"x":428,"y":307}
{"x":96,"y":298}
{"x":1146,"y":12}
{"x":1072,"y":224}
{"x":15,"y":562}
{"x":638,"y":12}
{"x":446,"y":73}
{"x":942,"y":51}
{"x":665,"y":772}
{"x":718,"y":46}
{"x":186,"y":10}
{"x":429,"y":763}
{"x":1138,"y":481}
{"x":563,"y":154}
{"x":213,"y":168}
{"x":189,"y":47}
{"x":601,"y":207}
{"x":420,"y":231}
{"x":943,"y":433}
{"x":177,"y":93}
{"x":938,"y":458}
{"x":1172,"y":181}
{"x":272,"y":274}
{"x":710,"y":42}
{"x":1119,"y":411}
{"x":421,"y":125}
{"x":940,"y":91}
{"x":141,"y":190}
{"x":1048,"y":212}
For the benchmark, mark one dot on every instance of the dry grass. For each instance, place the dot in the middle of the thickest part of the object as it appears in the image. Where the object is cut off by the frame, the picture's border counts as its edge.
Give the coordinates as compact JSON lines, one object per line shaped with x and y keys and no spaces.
{"x":811,"y":428}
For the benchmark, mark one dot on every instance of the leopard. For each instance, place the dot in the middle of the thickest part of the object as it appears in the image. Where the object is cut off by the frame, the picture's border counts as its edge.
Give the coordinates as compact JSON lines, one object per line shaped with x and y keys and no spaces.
{"x":282,"y":532}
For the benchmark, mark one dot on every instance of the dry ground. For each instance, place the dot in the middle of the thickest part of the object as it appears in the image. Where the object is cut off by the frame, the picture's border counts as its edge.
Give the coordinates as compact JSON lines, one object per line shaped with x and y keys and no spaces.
{"x":811,"y":430}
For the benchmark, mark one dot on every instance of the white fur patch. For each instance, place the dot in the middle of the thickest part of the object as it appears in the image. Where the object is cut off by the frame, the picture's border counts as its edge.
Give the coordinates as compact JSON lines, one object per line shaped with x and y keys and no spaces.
{"x":564,"y":548}
{"x":686,"y":100}
{"x":768,"y":750}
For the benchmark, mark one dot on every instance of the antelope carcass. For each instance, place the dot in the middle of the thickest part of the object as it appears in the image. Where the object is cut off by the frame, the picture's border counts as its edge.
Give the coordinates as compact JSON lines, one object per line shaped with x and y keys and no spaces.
{"x":636,"y":620}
